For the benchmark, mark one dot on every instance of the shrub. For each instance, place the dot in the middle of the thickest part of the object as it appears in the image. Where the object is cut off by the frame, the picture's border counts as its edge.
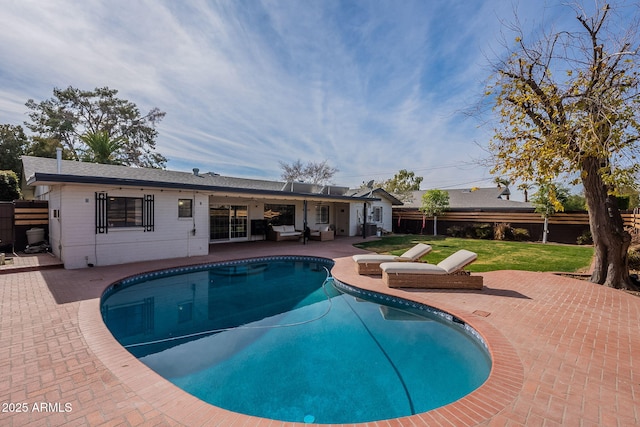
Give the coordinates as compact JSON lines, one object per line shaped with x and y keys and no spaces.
{"x":520,"y":234}
{"x":483,"y":231}
{"x":502,"y":231}
{"x":455,"y":231}
{"x":585,"y":238}
{"x":634,"y":258}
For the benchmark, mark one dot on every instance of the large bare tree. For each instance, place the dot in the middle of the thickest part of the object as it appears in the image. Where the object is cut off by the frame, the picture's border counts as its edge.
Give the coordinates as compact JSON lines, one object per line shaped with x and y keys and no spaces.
{"x":312,"y":172}
{"x":568,"y":104}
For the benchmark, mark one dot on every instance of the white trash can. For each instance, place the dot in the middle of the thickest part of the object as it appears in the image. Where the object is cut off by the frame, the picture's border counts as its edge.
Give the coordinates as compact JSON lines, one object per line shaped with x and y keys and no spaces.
{"x":35,"y":235}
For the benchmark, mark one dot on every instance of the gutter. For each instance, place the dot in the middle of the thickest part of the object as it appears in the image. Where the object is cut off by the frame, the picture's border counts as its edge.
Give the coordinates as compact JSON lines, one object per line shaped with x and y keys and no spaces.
{"x":50,"y":178}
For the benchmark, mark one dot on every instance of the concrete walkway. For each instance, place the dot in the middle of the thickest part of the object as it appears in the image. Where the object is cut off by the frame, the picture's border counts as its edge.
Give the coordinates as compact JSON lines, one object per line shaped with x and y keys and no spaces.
{"x":563,"y":350}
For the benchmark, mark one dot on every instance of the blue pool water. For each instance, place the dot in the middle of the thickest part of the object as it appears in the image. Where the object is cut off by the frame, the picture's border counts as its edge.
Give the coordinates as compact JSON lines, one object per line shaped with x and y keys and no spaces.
{"x":274,"y":339}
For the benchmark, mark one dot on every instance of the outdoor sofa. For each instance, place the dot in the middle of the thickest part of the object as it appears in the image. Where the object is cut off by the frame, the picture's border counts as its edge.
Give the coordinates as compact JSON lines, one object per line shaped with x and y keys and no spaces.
{"x":447,"y":274}
{"x":370,"y":263}
{"x":283,"y":232}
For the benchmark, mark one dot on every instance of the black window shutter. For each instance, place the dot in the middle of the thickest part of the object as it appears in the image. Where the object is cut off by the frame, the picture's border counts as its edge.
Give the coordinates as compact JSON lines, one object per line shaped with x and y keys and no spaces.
{"x":148,"y":212}
{"x":102,"y":225}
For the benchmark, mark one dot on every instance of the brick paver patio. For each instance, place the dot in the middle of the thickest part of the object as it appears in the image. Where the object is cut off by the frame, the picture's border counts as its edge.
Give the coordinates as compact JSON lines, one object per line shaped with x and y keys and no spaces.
{"x":563,"y":350}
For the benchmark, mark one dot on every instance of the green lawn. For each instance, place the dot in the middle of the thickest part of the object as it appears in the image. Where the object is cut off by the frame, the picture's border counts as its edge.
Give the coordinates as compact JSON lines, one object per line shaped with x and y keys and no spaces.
{"x":493,"y":254}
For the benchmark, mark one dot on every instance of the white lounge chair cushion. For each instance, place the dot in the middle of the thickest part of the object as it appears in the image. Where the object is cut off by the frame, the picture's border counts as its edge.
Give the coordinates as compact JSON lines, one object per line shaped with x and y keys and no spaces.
{"x":289,"y":228}
{"x":416,"y":252}
{"x":412,"y":254}
{"x":457,"y":261}
{"x":373,"y":258}
{"x":451,"y":264}
{"x":410,"y":268}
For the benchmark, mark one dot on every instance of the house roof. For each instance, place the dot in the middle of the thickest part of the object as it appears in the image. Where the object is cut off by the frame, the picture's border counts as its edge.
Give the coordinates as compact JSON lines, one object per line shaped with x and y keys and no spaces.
{"x":44,"y":171}
{"x":379,"y":192}
{"x":493,"y":198}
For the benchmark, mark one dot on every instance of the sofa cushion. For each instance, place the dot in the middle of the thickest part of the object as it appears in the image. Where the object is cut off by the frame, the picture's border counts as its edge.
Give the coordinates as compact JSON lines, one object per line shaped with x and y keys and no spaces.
{"x":278,"y":228}
{"x":290,"y":233}
{"x":288,"y":228}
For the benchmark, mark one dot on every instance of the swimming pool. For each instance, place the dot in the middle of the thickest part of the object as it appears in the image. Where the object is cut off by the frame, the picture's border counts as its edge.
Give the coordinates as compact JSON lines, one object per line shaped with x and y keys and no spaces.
{"x":290,"y":345}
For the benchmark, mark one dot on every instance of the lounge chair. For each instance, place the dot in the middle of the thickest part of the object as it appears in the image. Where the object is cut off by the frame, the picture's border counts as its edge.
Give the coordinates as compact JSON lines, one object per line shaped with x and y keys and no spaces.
{"x":447,"y":274}
{"x":370,"y":263}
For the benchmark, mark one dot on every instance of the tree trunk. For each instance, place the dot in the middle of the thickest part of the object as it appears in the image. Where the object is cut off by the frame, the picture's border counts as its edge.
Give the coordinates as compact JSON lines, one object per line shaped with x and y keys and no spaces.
{"x":435,"y":225}
{"x":545,"y":230}
{"x":610,"y":239}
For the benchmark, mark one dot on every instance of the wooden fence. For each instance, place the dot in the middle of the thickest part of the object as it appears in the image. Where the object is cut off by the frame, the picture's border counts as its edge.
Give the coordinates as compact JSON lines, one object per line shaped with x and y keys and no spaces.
{"x":569,"y":224}
{"x":19,"y":216}
{"x":631,"y":219}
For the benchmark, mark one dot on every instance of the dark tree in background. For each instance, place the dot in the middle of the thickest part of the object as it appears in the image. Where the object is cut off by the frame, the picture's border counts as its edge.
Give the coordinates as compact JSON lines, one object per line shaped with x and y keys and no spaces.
{"x":9,"y":186}
{"x":73,"y":114}
{"x":13,"y":144}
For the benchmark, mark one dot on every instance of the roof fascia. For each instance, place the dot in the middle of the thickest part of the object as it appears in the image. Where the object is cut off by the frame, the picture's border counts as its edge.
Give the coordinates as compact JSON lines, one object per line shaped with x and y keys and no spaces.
{"x":46,"y":179}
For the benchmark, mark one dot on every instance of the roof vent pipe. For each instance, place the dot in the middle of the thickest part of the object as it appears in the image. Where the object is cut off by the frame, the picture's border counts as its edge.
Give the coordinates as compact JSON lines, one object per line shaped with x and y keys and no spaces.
{"x":59,"y":159}
{"x":196,"y":171}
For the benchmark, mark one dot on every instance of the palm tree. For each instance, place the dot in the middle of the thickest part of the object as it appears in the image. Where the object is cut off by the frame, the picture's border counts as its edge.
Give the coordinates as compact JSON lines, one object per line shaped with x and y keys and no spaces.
{"x":102,"y":148}
{"x":503,"y":182}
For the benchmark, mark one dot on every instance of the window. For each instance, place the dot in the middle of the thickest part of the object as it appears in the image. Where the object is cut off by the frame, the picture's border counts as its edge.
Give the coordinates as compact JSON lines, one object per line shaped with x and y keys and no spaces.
{"x":322,"y":214}
{"x":185,"y":208}
{"x":377,"y":214}
{"x":280,"y":214}
{"x":124,"y":211}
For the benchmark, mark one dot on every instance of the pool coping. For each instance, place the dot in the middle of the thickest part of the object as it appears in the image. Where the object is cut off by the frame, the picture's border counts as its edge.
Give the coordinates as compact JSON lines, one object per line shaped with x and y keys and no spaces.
{"x":577,"y":342}
{"x":501,"y":387}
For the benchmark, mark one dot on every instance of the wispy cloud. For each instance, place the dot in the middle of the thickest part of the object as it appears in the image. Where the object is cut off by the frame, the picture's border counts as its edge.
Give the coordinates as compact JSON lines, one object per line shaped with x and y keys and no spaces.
{"x":372,"y":87}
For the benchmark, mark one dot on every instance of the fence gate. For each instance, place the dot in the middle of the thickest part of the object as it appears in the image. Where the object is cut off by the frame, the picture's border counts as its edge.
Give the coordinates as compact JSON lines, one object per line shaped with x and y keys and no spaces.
{"x":29,"y":214}
{"x":6,"y":226}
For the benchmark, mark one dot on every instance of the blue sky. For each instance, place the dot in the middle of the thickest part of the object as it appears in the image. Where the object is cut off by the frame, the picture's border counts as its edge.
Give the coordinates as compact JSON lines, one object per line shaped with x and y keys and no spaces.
{"x":370,"y":86}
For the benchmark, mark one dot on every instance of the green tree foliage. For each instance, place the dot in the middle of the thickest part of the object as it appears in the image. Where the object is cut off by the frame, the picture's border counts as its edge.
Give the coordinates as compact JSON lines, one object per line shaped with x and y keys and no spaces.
{"x":13,"y":144}
{"x":575,"y":203}
{"x":102,"y":148}
{"x":568,"y":104}
{"x":434,"y":203}
{"x":403,"y":184}
{"x":549,"y":199}
{"x":72,"y":113}
{"x":9,"y":186}
{"x":46,"y":147}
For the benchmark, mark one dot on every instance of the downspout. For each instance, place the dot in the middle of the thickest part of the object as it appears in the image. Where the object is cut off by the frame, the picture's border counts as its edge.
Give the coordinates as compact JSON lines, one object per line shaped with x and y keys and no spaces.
{"x":60,"y":210}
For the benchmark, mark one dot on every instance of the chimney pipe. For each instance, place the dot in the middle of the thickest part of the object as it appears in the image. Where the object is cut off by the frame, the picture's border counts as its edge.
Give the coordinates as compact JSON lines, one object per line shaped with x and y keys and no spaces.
{"x":196,"y":171}
{"x":59,"y":159}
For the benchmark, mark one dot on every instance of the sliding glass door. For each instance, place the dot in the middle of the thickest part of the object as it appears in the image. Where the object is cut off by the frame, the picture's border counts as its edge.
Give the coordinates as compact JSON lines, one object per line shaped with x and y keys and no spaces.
{"x":228,"y":222}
